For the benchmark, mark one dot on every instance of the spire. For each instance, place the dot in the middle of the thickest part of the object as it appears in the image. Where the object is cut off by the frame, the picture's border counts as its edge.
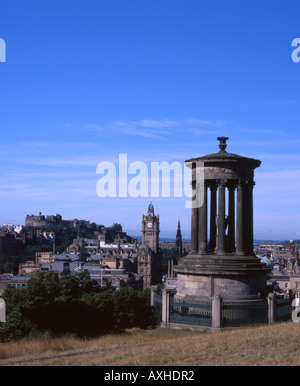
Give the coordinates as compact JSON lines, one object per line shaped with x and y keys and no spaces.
{"x":178,"y":230}
{"x":178,"y":227}
{"x":179,"y":241}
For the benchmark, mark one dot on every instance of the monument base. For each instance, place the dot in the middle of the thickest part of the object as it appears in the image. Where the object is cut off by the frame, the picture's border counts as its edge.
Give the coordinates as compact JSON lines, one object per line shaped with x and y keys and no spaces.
{"x":229,"y":276}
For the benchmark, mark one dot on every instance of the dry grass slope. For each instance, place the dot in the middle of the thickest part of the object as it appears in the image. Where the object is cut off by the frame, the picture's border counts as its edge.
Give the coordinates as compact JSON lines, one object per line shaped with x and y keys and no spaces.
{"x":276,"y":345}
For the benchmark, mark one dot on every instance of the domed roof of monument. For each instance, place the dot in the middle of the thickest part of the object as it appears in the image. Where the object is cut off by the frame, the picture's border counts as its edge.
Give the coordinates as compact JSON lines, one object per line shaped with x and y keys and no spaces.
{"x":224,"y":156}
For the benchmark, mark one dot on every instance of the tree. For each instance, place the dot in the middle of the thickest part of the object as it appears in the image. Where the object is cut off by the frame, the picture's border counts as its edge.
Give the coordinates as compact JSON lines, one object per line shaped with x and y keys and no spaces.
{"x":43,"y":288}
{"x":16,"y":327}
{"x":75,"y":286}
{"x":132,"y":309}
{"x":72,"y":305}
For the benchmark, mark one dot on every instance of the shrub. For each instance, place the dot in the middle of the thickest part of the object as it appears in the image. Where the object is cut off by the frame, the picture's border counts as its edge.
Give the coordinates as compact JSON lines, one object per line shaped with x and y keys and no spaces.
{"x":71,"y":305}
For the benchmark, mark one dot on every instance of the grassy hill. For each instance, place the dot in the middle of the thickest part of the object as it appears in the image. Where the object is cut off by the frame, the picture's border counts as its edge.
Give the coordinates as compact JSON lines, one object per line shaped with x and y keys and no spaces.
{"x":277,"y":345}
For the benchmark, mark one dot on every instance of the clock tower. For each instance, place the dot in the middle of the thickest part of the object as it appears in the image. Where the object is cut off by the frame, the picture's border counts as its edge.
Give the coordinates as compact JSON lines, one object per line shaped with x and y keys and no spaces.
{"x":149,"y":258}
{"x":150,"y":229}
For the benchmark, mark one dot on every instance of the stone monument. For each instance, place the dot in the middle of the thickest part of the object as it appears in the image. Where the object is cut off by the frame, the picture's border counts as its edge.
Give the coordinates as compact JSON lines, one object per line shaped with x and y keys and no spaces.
{"x":222,"y":261}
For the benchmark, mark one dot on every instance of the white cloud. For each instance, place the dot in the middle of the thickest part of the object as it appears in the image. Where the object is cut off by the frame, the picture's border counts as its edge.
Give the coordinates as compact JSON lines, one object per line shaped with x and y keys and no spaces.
{"x":155,"y":124}
{"x":200,"y":122}
{"x":162,"y":129}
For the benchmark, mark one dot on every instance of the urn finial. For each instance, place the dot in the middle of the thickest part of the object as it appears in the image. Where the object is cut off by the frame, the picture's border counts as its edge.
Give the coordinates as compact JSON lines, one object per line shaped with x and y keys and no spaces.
{"x":222,"y":144}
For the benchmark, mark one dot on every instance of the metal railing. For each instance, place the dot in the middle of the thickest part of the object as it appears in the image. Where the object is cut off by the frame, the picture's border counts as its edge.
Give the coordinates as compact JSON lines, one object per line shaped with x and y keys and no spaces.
{"x":228,"y":313}
{"x":199,"y":313}
{"x":242,"y":313}
{"x":283,"y":309}
{"x":158,"y":301}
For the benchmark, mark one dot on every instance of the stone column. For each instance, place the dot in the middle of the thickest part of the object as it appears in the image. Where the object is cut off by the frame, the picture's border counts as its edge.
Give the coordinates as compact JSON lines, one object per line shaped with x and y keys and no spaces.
{"x":152,"y":296}
{"x":213,"y":214}
{"x":271,"y":308}
{"x":194,"y":224}
{"x":168,"y":307}
{"x":202,"y":219}
{"x":248,"y":218}
{"x":221,"y":217}
{"x":165,"y":317}
{"x":216,"y":312}
{"x":2,"y":311}
{"x":231,"y":218}
{"x":240,"y":219}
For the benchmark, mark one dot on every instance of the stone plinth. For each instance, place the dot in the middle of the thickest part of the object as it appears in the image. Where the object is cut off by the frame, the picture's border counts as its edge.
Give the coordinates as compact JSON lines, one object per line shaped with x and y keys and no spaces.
{"x":231,"y":277}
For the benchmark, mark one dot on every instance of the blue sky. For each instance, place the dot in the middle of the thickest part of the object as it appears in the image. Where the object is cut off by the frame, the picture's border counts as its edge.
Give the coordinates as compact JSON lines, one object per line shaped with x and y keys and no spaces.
{"x":159,"y":80}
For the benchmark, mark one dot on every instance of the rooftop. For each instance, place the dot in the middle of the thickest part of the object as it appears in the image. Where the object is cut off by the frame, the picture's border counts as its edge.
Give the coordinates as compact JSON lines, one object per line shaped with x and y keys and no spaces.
{"x":223,"y":156}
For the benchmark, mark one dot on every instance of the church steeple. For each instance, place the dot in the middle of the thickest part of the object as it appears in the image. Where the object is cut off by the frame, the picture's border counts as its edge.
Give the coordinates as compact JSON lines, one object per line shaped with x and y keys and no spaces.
{"x":179,"y":241}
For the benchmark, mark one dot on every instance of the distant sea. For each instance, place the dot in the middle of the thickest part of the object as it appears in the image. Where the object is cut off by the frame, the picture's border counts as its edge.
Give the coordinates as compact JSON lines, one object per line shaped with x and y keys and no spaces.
{"x":256,"y":241}
{"x":139,"y":239}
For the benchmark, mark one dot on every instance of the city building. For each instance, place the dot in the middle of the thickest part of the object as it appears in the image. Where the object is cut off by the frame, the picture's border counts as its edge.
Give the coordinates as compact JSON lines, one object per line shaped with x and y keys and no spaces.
{"x":112,"y":258}
{"x":150,"y":229}
{"x":149,"y":253}
{"x":13,"y":281}
{"x":42,"y":221}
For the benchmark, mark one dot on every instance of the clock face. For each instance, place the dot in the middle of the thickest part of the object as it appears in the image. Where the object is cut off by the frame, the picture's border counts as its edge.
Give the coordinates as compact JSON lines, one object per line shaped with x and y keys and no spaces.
{"x":149,"y":224}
